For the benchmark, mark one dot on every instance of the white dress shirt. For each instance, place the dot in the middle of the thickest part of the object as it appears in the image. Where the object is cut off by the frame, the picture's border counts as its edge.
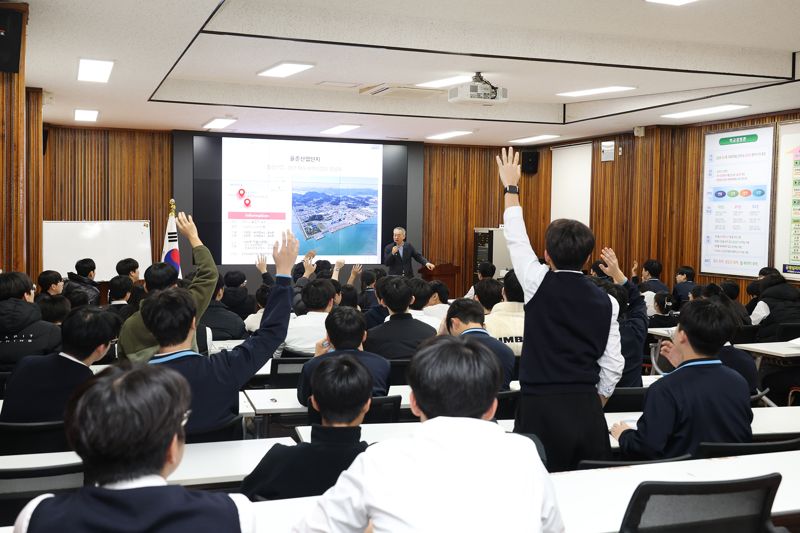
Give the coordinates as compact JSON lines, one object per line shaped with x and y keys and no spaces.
{"x":247,"y":517}
{"x":437,"y":311}
{"x":420,"y":315}
{"x":253,"y":322}
{"x":453,"y":474}
{"x":530,"y":274}
{"x":304,"y":332}
{"x":760,"y":312}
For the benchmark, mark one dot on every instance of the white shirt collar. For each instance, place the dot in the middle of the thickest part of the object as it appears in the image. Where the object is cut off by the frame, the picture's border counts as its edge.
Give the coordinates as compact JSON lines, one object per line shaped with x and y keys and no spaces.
{"x":152,"y":480}
{"x":68,"y":356}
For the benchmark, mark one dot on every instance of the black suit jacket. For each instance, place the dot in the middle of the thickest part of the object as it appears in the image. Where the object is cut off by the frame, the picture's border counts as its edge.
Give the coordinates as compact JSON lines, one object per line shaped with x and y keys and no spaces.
{"x":401,"y":266}
{"x":399,"y":337}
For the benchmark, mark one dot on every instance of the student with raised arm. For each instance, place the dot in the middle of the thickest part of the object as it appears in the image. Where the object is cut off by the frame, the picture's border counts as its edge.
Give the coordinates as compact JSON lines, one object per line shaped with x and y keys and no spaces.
{"x":571,"y":348}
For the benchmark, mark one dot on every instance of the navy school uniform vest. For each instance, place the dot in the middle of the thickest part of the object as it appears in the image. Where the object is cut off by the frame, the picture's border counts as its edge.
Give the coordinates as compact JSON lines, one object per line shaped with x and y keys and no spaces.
{"x":165,"y":509}
{"x":566,"y":331}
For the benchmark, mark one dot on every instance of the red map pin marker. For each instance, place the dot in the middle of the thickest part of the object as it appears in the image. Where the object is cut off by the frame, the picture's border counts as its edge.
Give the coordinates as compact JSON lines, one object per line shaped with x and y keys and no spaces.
{"x":247,"y":202}
{"x":241,"y":193}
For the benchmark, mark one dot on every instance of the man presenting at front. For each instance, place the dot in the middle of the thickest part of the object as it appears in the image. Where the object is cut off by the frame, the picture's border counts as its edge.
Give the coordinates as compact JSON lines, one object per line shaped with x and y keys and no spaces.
{"x":571,"y":348}
{"x":398,"y":256}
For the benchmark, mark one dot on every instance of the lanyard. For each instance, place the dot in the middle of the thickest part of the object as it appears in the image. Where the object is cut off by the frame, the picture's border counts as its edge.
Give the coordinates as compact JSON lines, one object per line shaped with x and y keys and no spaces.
{"x":173,"y":356}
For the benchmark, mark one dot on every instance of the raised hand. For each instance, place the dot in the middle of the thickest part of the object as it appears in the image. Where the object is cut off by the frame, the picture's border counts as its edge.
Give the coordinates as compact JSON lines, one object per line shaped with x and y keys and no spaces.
{"x":430,"y":266}
{"x":287,"y":254}
{"x":634,"y":269}
{"x":611,"y":267}
{"x":308,"y":267}
{"x":509,"y":167}
{"x":187,"y":228}
{"x":261,"y":262}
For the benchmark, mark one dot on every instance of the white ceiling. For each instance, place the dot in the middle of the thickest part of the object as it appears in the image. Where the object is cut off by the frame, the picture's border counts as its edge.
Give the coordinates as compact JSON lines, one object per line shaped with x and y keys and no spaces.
{"x":182,"y":62}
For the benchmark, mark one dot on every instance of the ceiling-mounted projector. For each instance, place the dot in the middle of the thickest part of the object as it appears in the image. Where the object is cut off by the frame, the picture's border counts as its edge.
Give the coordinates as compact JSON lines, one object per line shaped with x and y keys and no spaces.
{"x":478,"y":91}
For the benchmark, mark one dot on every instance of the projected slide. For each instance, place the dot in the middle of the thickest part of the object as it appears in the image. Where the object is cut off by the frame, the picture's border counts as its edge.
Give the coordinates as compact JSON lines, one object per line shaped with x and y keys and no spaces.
{"x":328,"y":193}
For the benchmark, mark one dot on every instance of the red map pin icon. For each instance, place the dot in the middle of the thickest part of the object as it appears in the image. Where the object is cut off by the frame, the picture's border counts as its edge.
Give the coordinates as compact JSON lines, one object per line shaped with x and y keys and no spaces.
{"x":247,"y":202}
{"x":241,"y":193}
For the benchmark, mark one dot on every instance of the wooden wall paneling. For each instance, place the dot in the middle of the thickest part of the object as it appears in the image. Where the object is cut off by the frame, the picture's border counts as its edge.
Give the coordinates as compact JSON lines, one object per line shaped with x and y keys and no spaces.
{"x":34,"y":157}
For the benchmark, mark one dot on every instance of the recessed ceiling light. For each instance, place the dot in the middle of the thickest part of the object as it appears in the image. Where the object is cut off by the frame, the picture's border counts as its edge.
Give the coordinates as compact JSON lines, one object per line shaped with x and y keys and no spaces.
{"x":284,"y":70}
{"x":446,"y":82}
{"x":341,"y":128}
{"x":672,"y":2}
{"x":94,"y":70}
{"x":706,"y":111}
{"x":448,"y":135}
{"x":535,"y":139}
{"x":599,"y":90}
{"x":86,"y":115}
{"x":218,"y":123}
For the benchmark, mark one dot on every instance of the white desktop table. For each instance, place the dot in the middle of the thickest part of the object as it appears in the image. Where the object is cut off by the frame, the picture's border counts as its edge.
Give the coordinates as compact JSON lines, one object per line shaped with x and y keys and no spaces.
{"x":372,"y":433}
{"x":284,"y":401}
{"x":770,"y":350}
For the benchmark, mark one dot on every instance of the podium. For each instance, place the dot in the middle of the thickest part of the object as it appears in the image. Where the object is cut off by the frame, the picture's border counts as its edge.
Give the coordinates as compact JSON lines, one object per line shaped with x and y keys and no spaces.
{"x":447,"y":273}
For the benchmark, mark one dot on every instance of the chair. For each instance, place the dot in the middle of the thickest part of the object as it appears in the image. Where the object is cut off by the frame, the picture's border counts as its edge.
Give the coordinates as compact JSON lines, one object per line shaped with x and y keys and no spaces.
{"x":383,"y":410}
{"x":231,"y":430}
{"x":35,"y":437}
{"x":398,"y":371}
{"x":733,"y":506}
{"x":284,"y":372}
{"x":787,"y":332}
{"x":707,"y":450}
{"x":745,"y":335}
{"x":760,"y":397}
{"x":507,"y":402}
{"x":588,"y":464}
{"x":626,"y":399}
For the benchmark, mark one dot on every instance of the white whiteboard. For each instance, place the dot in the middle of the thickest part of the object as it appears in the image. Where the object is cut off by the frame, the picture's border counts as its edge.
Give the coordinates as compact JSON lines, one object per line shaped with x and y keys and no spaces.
{"x":106,"y":242}
{"x":787,"y":201}
{"x":737,"y":199}
{"x":571,"y":189}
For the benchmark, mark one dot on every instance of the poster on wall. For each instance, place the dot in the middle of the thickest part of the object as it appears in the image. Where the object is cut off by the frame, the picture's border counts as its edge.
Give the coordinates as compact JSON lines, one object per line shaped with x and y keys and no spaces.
{"x":787,"y":201}
{"x":737,"y":195}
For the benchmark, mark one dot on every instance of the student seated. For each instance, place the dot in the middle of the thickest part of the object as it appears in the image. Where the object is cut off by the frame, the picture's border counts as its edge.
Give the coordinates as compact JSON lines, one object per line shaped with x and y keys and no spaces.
{"x":458,"y":472}
{"x":731,"y":290}
{"x":216,"y":380}
{"x":349,"y":297}
{"x":376,"y":315}
{"x":39,"y":387}
{"x":120,"y":291}
{"x":651,"y":270}
{"x":54,"y":308}
{"x":465,"y":319}
{"x":367,"y":297}
{"x":665,"y":316}
{"x":506,"y":322}
{"x":779,"y":303}
{"x":486,"y":270}
{"x":127,"y":428}
{"x":438,"y":304}
{"x":82,"y":280}
{"x":422,"y":292}
{"x":130,"y":267}
{"x":342,"y":389}
{"x":684,"y":283}
{"x":305,"y":330}
{"x":488,"y":293}
{"x":346,"y":332}
{"x":701,"y":401}
{"x":136,"y":342}
{"x":235,"y":296}
{"x":225,"y":324}
{"x":22,"y":330}
{"x":50,"y":284}
{"x":401,"y":334}
{"x":252,"y":322}
{"x":596,"y":272}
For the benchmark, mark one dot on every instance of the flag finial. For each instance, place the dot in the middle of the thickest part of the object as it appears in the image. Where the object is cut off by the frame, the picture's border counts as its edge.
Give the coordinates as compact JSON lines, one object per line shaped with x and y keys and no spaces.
{"x":172,"y":207}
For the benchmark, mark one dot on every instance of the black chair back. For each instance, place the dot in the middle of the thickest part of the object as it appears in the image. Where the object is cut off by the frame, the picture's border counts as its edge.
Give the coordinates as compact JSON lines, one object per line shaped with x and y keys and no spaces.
{"x":383,"y":410}
{"x":231,"y":430}
{"x":591,"y":464}
{"x":284,"y":372}
{"x":707,"y":450}
{"x":626,"y":399}
{"x":745,"y":335}
{"x":507,"y":402}
{"x":398,"y":371}
{"x":733,"y":506}
{"x":787,"y":332}
{"x":3,"y":379}
{"x":35,"y":437}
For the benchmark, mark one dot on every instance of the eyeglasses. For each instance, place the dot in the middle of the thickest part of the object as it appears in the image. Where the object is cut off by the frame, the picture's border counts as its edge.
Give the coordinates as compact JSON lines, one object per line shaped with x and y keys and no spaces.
{"x":186,"y":417}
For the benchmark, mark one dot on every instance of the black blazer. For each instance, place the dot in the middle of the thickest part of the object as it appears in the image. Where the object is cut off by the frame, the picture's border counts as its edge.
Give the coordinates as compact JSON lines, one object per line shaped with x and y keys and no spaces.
{"x":401,"y":266}
{"x":398,"y":338}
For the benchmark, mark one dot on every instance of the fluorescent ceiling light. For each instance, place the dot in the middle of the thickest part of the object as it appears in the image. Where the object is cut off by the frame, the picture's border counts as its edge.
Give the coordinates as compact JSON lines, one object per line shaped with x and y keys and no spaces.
{"x":446,"y":82}
{"x":218,"y":123}
{"x":86,"y":115}
{"x":599,"y":90}
{"x":672,"y":2}
{"x":706,"y":111}
{"x":448,"y":135}
{"x":535,"y":139}
{"x":341,"y":128}
{"x":284,"y":70}
{"x":94,"y":70}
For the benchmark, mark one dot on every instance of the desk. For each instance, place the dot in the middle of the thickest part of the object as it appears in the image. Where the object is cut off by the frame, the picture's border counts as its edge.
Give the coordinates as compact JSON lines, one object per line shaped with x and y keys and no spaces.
{"x":284,"y":401}
{"x":372,"y":433}
{"x":646,"y":382}
{"x":772,"y":350}
{"x":245,"y":407}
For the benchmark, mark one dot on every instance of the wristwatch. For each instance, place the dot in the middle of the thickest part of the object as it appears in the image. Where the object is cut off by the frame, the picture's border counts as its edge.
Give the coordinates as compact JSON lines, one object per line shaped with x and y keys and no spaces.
{"x":511,"y":189}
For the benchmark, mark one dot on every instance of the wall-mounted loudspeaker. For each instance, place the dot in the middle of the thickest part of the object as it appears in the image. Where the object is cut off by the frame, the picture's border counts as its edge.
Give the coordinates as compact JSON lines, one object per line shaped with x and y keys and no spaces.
{"x":530,"y":161}
{"x":10,"y":39}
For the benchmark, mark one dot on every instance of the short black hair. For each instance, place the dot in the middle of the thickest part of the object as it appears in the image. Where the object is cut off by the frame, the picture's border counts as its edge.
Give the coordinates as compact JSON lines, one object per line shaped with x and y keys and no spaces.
{"x":708,"y":324}
{"x":597,"y":270}
{"x":454,"y":376}
{"x":85,"y":266}
{"x":77,"y":299}
{"x":235,"y":278}
{"x":770,"y":280}
{"x":367,"y":279}
{"x":220,"y":284}
{"x":686,"y":270}
{"x":466,"y":310}
{"x":422,"y":292}
{"x":653,"y":266}
{"x":168,"y":314}
{"x":126,"y":266}
{"x":122,"y":421}
{"x":486,"y":269}
{"x":489,"y":292}
{"x":379,"y":284}
{"x":396,"y":294}
{"x":324,"y":269}
{"x":766,"y":271}
{"x":54,"y":308}
{"x":345,"y":327}
{"x":262,"y":294}
{"x":297,"y":271}
{"x":568,"y":243}
{"x":349,"y":296}
{"x":337,"y":286}
{"x":754,"y":288}
{"x":664,"y":302}
{"x":341,"y":386}
{"x":697,"y":291}
{"x":317,"y":294}
{"x":160,"y":276}
{"x":730,"y":288}
{"x":119,"y":286}
{"x":441,"y":290}
{"x":47,"y":279}
{"x":513,"y":288}
{"x":618,"y":292}
{"x":86,"y":328}
{"x":379,"y":273}
{"x":14,"y":285}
